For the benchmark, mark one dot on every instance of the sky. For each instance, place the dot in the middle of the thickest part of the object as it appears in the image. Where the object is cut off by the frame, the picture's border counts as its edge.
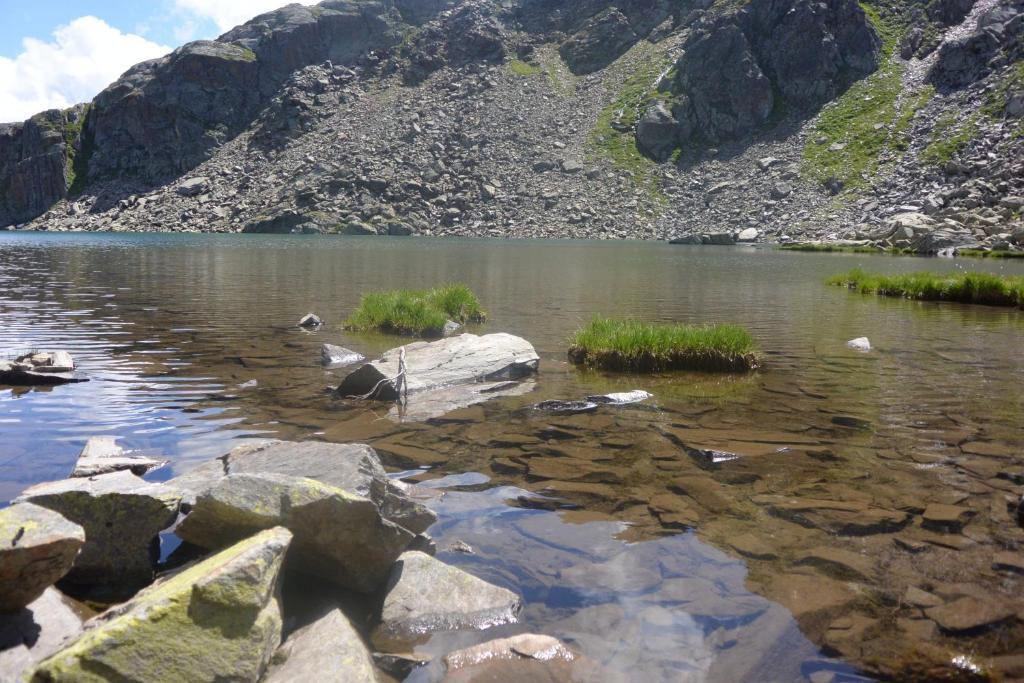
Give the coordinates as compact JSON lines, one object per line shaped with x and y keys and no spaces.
{"x":56,"y":53}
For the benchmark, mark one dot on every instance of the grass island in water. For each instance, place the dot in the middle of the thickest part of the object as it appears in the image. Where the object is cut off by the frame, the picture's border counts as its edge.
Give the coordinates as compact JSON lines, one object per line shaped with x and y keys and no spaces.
{"x":419,"y":313}
{"x":968,"y":288}
{"x":644,"y":347}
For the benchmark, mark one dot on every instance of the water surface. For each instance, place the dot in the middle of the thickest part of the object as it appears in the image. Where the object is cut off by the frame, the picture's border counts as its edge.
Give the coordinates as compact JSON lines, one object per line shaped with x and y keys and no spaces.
{"x":619,"y":535}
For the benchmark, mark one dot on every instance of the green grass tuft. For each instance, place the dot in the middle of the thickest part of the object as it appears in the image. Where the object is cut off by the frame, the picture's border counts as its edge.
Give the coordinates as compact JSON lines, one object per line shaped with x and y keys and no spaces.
{"x":420,"y":313}
{"x":521,"y":68}
{"x":968,"y":288}
{"x":985,"y":253}
{"x":824,"y":247}
{"x":644,"y":347}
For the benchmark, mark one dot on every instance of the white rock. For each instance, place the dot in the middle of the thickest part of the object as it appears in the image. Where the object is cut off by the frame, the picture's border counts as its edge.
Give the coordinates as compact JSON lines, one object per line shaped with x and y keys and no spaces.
{"x":859,"y":344}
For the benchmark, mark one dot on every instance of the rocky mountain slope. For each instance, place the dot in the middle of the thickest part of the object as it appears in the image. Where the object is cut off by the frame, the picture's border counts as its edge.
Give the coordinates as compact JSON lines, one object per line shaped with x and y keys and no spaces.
{"x":895,"y":123}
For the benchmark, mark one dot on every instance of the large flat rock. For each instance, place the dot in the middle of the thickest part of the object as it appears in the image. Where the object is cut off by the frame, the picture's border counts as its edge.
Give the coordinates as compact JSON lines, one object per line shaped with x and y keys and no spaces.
{"x":355,"y":468}
{"x":339,"y":536}
{"x":218,"y":620}
{"x":425,"y":595}
{"x":37,"y":548}
{"x":464,"y":359}
{"x":102,"y":455}
{"x":121,"y":515}
{"x":329,"y":650}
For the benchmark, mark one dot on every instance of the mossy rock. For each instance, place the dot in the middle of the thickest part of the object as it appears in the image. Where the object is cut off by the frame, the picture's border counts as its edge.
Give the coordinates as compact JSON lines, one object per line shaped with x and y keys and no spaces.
{"x":220,"y":619}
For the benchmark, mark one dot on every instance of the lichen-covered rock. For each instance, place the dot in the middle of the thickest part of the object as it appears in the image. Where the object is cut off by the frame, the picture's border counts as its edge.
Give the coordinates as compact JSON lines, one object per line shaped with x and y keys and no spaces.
{"x":102,"y":455}
{"x":425,"y":595}
{"x":329,"y":650}
{"x":34,"y":633}
{"x":356,"y":468}
{"x":37,"y":548}
{"x":121,"y":515}
{"x":219,"y":620}
{"x":339,"y":536}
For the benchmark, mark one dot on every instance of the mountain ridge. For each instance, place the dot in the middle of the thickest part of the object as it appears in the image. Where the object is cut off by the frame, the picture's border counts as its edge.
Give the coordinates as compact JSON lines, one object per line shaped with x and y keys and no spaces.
{"x":548,"y":118}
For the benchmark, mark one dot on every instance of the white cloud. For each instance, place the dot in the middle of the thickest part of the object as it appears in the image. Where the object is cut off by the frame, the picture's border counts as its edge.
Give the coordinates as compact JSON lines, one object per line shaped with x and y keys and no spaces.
{"x":227,"y":14}
{"x":85,"y":56}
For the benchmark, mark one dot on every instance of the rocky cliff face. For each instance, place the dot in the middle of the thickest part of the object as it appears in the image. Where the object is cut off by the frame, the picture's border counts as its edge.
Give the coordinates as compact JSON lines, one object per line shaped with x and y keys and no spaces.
{"x":534,"y":118}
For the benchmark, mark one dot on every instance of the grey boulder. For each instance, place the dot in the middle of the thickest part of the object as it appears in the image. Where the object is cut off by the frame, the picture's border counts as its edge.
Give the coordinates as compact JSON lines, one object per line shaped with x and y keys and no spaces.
{"x":329,"y":650}
{"x":102,"y":455}
{"x":37,"y":548}
{"x":217,"y":620}
{"x":425,"y":595}
{"x":465,"y":359}
{"x":355,"y":468}
{"x":339,"y":536}
{"x":121,"y":515}
{"x":34,"y":633}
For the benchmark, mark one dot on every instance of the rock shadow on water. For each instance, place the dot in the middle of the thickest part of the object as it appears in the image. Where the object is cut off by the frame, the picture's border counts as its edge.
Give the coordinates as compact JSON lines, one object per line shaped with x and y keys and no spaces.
{"x":672,"y":609}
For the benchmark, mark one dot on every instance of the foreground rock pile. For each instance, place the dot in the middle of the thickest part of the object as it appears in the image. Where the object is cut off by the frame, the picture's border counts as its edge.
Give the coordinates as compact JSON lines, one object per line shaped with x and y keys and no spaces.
{"x":309,"y":509}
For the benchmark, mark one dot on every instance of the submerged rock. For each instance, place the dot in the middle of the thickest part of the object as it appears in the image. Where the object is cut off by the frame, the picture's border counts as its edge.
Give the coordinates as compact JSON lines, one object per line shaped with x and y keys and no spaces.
{"x":102,"y":455}
{"x":524,"y":657}
{"x":356,"y":468}
{"x":338,"y":356}
{"x":121,"y":515}
{"x":425,"y":595}
{"x":339,"y":536}
{"x":970,"y":614}
{"x":217,"y":620}
{"x":35,"y":632}
{"x":37,"y":548}
{"x":329,"y":650}
{"x":438,"y":402}
{"x":622,"y":398}
{"x":311,"y":321}
{"x":567,"y":406}
{"x":465,"y":359}
{"x":40,"y":368}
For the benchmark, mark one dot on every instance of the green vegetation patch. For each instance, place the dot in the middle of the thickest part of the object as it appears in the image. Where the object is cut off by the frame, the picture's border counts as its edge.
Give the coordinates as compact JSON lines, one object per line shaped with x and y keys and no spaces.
{"x":613,"y":136}
{"x":635,"y":346}
{"x":968,"y":288}
{"x":948,"y":138}
{"x":521,"y":68}
{"x":823,"y":247}
{"x":420,"y":313}
{"x":985,"y":253}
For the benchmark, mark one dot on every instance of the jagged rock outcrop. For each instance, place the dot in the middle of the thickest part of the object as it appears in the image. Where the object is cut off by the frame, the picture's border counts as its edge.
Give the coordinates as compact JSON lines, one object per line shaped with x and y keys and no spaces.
{"x":739,"y":67}
{"x":37,"y":162}
{"x":997,"y":40}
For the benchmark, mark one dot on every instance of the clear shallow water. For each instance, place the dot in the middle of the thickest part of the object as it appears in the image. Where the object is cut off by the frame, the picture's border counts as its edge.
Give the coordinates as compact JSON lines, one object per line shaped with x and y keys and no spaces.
{"x":191,"y":346}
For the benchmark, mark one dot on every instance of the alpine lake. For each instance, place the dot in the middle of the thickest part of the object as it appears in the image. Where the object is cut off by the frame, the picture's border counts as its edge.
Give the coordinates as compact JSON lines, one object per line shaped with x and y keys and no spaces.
{"x":789,"y":524}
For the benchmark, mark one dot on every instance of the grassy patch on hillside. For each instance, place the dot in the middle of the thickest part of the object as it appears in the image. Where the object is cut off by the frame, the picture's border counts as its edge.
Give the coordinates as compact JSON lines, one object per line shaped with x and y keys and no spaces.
{"x":967,"y":288}
{"x":949,"y":137}
{"x":644,"y":347}
{"x":421,"y":313}
{"x":614,"y":134}
{"x":521,"y":68}
{"x":873,"y":115}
